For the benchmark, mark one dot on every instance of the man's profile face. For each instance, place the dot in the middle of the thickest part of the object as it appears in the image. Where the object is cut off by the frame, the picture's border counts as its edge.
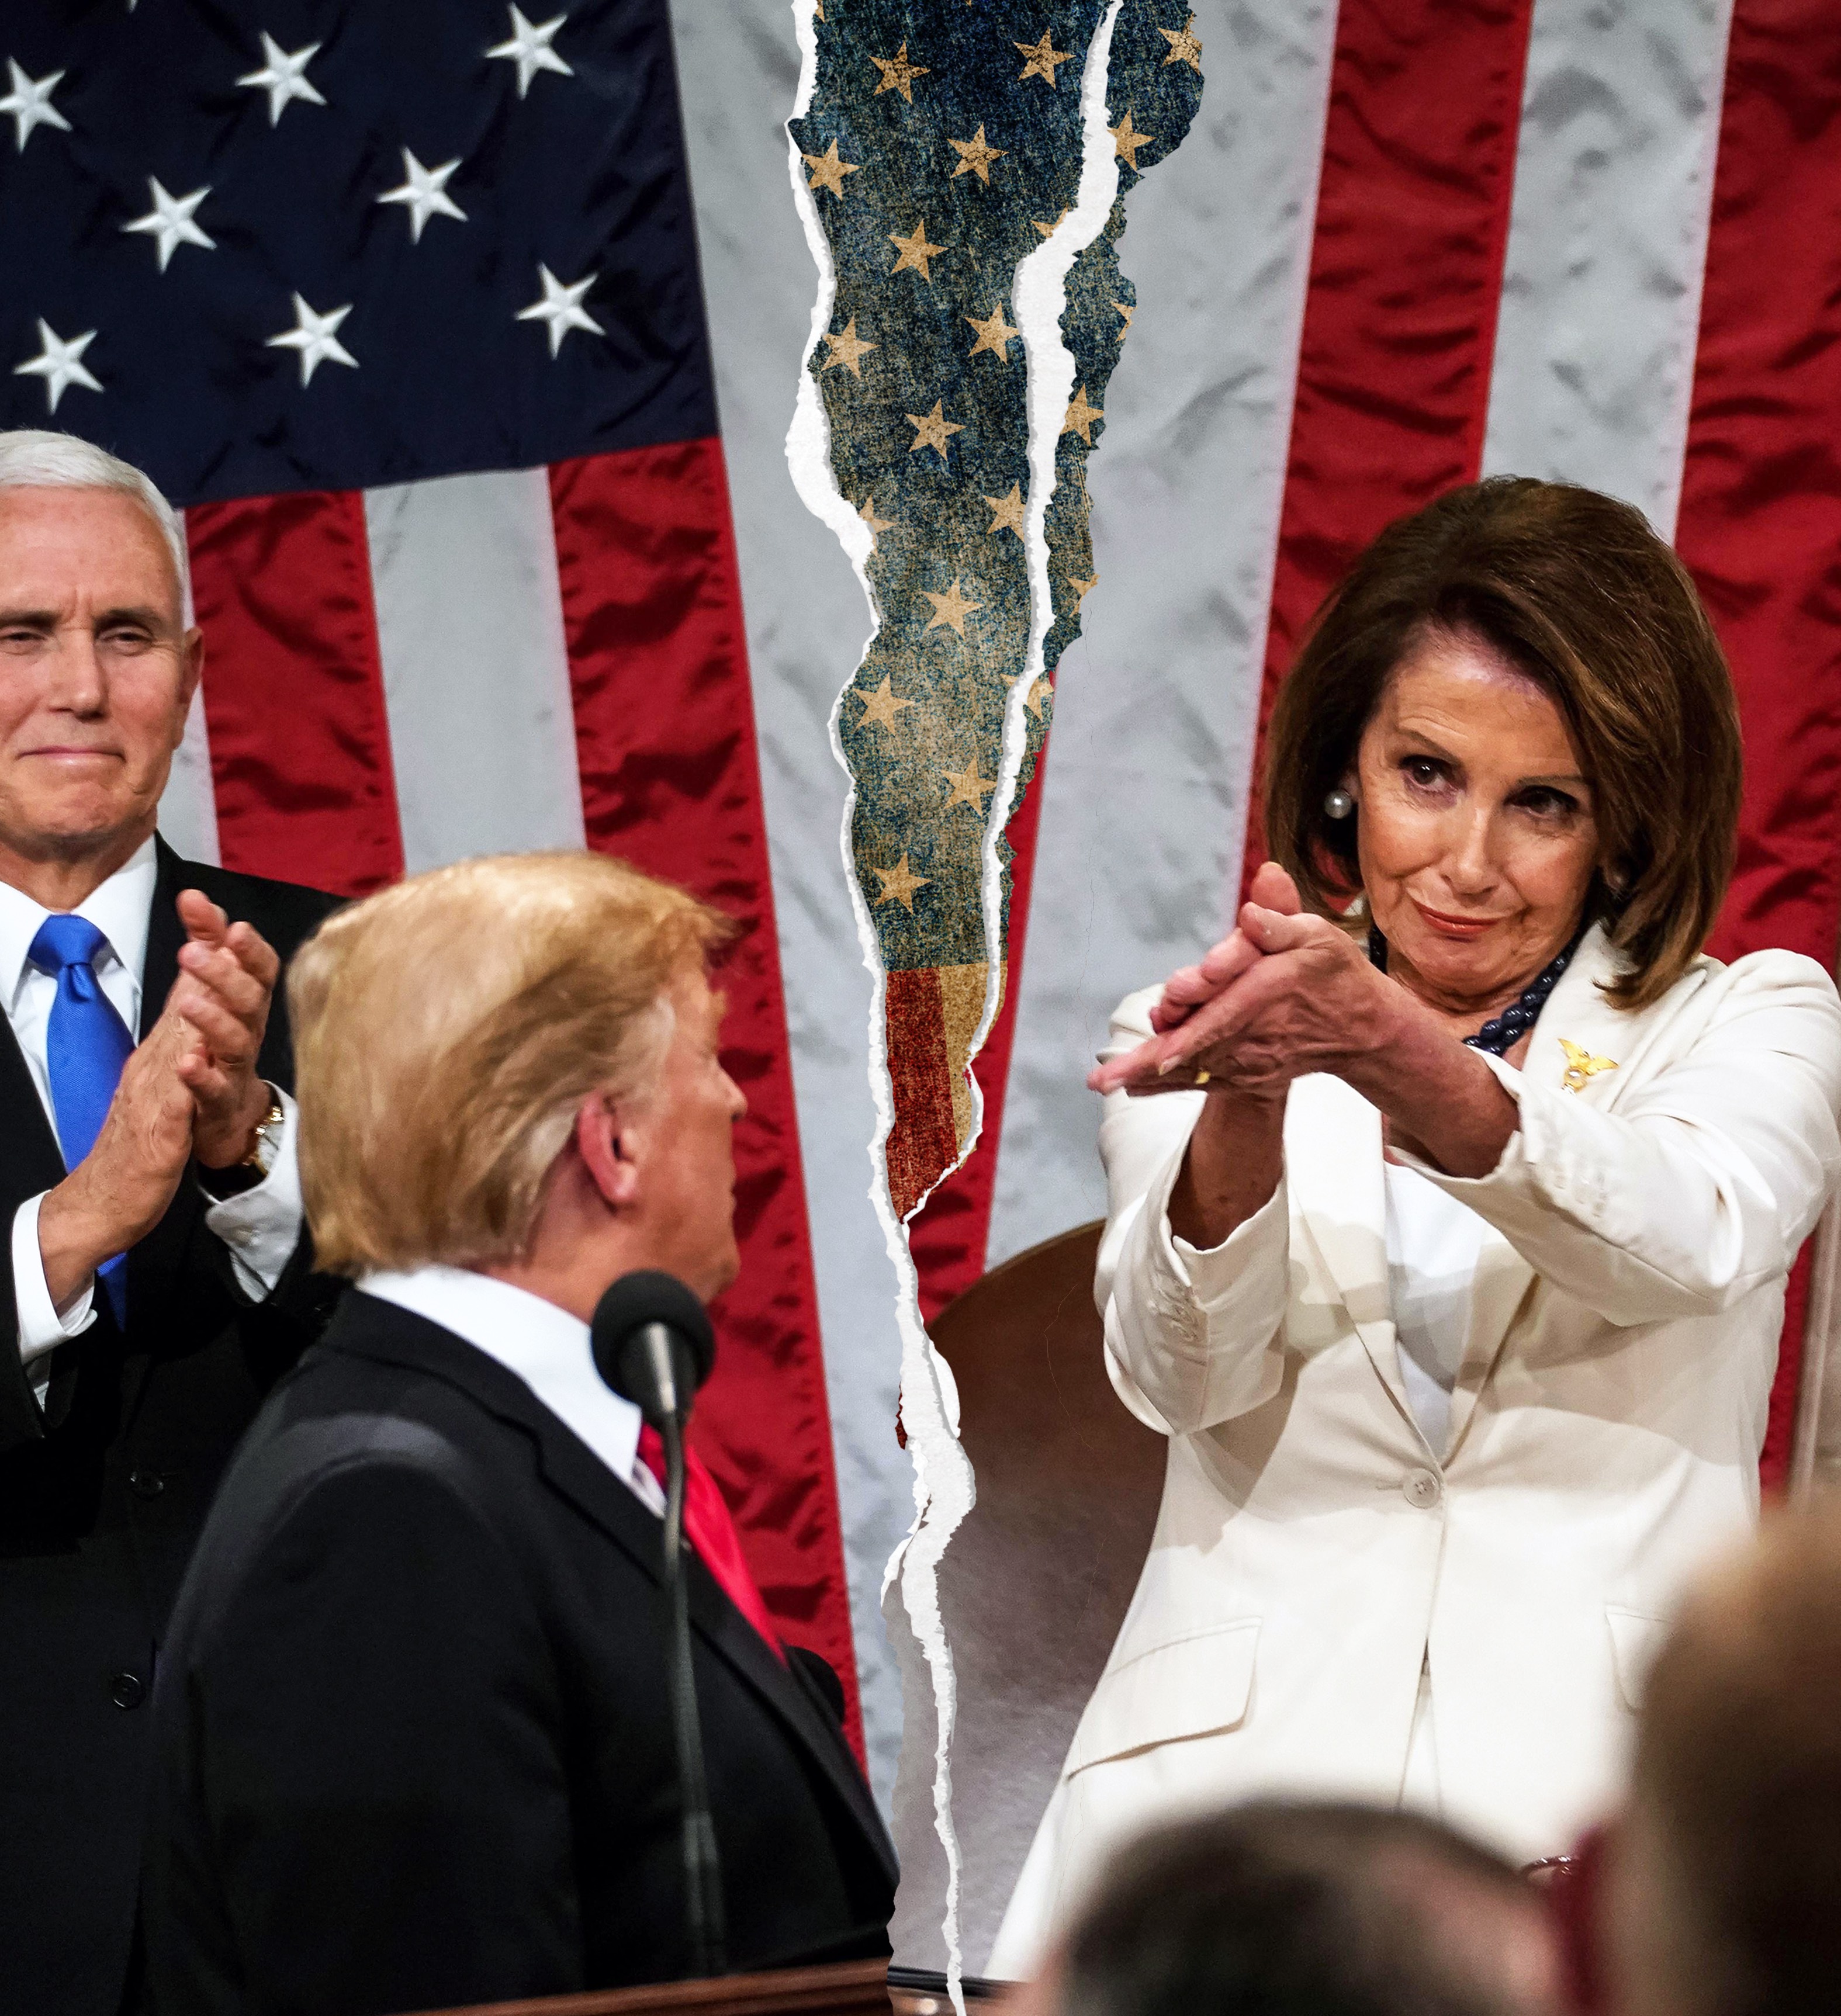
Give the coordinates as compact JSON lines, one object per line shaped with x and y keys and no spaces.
{"x":96,"y":672}
{"x":684,"y":1129}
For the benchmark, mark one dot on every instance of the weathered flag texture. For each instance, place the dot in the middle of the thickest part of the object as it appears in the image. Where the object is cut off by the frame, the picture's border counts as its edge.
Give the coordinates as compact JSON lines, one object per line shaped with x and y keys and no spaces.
{"x":941,"y":148}
{"x":402,"y":303}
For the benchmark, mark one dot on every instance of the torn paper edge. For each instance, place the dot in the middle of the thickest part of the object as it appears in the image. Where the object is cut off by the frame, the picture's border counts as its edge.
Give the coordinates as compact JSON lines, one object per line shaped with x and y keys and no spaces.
{"x":944,"y":1487}
{"x":1038,"y":295}
{"x":930,"y":1412}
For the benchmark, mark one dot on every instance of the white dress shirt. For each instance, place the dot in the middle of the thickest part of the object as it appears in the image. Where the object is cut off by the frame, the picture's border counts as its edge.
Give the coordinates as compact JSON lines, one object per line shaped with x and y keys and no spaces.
{"x":546,"y":1347}
{"x":261,"y":1226}
{"x":1434,"y":1243}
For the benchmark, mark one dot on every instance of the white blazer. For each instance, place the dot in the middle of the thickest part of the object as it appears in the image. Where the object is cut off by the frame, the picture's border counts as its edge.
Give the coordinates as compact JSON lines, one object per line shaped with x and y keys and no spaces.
{"x":1312,"y":1552}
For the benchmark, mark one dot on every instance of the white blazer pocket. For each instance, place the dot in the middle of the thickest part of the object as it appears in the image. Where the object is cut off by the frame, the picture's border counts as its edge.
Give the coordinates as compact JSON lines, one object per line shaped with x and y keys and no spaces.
{"x":1197,"y":1685}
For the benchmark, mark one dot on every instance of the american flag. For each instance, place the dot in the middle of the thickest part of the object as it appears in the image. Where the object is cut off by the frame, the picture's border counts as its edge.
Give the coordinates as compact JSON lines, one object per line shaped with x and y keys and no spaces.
{"x":1405,"y":242}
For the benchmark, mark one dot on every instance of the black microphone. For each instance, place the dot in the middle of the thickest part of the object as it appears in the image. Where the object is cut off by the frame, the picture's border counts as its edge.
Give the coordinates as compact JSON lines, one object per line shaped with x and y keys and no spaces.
{"x":653,"y":1345}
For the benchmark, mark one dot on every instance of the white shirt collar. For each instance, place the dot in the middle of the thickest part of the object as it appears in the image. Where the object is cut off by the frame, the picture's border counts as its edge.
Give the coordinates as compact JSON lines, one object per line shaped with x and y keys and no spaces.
{"x":546,"y":1347}
{"x":120,"y":909}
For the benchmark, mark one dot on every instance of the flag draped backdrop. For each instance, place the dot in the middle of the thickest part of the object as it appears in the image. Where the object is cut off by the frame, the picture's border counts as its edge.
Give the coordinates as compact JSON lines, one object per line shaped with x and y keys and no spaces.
{"x":462,"y":537}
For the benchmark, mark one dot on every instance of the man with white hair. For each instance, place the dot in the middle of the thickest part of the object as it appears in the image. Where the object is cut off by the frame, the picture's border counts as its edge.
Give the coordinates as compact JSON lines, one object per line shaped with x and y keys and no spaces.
{"x":151,"y":1242}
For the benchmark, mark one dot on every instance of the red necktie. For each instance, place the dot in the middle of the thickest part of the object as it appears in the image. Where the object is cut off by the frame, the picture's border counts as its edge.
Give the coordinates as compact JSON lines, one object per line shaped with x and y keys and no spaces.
{"x":711,"y":1531}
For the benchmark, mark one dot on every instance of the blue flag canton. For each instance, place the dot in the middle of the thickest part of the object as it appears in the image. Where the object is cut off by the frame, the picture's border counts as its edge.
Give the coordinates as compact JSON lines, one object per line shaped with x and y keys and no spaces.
{"x":315,"y":246}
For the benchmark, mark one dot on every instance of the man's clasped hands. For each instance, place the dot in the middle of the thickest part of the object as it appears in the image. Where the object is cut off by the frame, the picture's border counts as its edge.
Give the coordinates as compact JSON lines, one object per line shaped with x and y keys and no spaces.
{"x":188,"y":1090}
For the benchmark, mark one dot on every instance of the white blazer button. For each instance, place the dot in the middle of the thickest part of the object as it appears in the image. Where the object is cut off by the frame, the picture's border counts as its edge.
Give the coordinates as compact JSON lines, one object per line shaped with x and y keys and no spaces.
{"x":1421,"y":1488}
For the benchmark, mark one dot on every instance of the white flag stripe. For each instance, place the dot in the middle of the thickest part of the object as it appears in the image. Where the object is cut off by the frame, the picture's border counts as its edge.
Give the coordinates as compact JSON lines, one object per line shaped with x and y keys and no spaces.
{"x":1144,"y":802}
{"x":1600,"y":295}
{"x":476,"y":670}
{"x":807,"y":621}
{"x":188,"y":806}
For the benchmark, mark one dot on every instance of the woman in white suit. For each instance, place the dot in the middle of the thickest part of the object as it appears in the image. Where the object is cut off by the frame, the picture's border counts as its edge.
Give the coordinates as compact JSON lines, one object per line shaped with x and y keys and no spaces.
{"x":1451,"y":1261}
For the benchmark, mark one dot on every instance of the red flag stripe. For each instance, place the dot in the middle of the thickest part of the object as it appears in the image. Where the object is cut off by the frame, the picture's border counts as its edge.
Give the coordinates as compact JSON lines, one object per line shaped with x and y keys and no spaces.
{"x":1400,"y":316}
{"x":665,"y":734}
{"x":293,"y":691}
{"x":1761,"y":500}
{"x":922,"y":1139}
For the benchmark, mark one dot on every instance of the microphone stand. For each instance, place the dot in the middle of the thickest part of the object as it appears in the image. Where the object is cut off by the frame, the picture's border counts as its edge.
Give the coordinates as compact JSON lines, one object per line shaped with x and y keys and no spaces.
{"x":703,"y":1873}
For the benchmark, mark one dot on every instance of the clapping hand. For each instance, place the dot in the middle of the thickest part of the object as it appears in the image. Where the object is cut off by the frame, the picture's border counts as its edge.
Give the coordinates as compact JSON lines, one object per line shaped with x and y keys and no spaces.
{"x":227,"y":977}
{"x":1284,"y":993}
{"x":190,"y":1088}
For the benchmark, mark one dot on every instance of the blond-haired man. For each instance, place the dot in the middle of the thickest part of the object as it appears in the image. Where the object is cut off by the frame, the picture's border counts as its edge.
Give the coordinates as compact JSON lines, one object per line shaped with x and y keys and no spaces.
{"x":413,"y":1731}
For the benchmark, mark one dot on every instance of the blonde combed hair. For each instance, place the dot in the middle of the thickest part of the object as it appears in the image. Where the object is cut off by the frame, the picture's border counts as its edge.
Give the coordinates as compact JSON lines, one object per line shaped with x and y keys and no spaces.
{"x":447,"y":1031}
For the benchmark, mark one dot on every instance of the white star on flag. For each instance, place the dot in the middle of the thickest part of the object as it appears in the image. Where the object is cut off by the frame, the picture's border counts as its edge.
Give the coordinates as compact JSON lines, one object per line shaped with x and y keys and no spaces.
{"x":59,"y":363}
{"x":561,"y":309}
{"x":315,"y":336}
{"x":424,"y":192}
{"x":529,"y":47}
{"x":284,"y":77}
{"x":29,"y":103}
{"x":170,"y":221}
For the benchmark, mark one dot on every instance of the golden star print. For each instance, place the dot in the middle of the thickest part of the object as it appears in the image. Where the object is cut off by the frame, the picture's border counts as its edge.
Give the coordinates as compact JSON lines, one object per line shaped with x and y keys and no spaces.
{"x":1126,"y":141}
{"x":1185,"y":45}
{"x":969,"y":788}
{"x":914,"y":251}
{"x":849,"y":349}
{"x":950,"y":609}
{"x":994,"y":333}
{"x":866,"y":511}
{"x":827,"y":171}
{"x":900,"y":883}
{"x":975,"y":157}
{"x":881,"y":706}
{"x":1007,"y":512}
{"x":1582,"y":1066}
{"x":1043,"y":57}
{"x":1081,"y":417}
{"x":898,"y":74}
{"x":933,"y":431}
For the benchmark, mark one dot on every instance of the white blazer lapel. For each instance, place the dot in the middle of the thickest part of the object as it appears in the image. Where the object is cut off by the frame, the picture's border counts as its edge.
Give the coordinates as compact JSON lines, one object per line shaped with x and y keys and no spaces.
{"x":1579,"y":1033}
{"x":1333,"y":1165}
{"x":1578,"y":1044}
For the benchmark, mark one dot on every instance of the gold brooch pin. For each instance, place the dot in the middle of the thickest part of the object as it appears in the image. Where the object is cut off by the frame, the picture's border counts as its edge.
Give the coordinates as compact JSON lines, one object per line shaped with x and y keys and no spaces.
{"x":1581,"y":1066}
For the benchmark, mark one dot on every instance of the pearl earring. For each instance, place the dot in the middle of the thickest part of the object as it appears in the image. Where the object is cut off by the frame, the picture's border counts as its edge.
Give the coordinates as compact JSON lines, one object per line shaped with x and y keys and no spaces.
{"x":1338,"y":804}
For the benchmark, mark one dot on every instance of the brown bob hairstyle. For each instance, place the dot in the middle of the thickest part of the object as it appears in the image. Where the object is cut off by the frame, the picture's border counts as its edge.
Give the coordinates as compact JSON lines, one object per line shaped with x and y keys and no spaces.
{"x":1576,"y":590}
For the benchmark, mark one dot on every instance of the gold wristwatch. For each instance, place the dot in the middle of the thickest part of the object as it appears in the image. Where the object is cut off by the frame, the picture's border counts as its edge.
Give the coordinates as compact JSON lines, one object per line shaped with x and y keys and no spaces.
{"x":266,"y":1147}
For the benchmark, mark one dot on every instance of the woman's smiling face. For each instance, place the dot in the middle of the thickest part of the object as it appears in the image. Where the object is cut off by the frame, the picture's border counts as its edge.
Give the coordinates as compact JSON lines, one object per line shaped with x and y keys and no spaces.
{"x":1477,"y":832}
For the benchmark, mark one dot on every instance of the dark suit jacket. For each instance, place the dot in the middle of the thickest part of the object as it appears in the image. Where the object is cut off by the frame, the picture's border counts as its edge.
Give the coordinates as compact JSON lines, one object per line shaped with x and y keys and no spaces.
{"x":102,"y":1494}
{"x":414,"y":1745}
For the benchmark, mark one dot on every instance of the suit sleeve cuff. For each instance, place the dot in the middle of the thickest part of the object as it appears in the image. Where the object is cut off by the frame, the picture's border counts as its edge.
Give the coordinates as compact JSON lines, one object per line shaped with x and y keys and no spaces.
{"x":1215,"y":1275}
{"x":261,"y":1226}
{"x":1517,"y":1173}
{"x":41,"y":1328}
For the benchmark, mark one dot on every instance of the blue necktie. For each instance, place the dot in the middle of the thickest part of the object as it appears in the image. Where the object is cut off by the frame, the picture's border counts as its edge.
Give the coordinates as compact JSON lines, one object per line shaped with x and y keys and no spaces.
{"x":86,"y":1046}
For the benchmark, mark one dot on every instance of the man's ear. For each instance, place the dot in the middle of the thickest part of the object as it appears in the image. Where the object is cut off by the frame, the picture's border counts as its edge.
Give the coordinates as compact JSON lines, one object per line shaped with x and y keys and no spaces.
{"x":191,"y":671}
{"x":605,"y":1145}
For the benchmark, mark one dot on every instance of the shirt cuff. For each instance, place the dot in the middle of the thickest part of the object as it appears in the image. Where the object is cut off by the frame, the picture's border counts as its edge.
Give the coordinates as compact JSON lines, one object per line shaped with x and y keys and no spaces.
{"x":41,"y":1328}
{"x":261,"y":1226}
